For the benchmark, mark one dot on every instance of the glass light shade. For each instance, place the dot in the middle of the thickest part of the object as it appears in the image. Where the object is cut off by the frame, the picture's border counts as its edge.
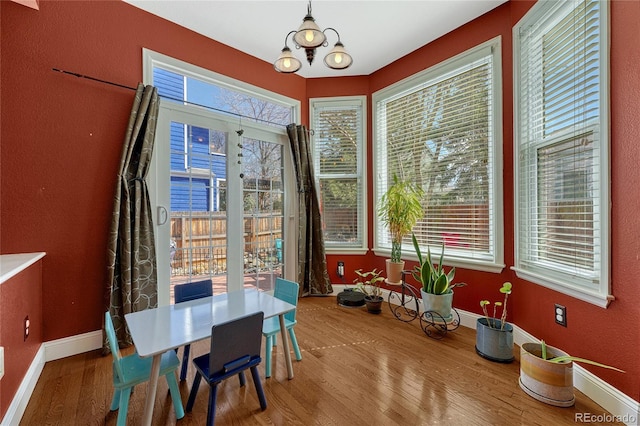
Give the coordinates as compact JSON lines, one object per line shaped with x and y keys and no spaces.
{"x":338,"y":58}
{"x":286,"y":62}
{"x":309,"y":34}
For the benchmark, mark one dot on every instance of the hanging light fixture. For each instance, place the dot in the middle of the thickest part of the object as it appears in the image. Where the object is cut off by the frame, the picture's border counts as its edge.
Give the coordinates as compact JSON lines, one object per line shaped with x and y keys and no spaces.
{"x":309,"y":36}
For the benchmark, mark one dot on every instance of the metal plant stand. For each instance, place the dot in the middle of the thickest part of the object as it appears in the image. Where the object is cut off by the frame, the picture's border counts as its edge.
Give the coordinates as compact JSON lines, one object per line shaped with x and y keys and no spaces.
{"x":405,"y":307}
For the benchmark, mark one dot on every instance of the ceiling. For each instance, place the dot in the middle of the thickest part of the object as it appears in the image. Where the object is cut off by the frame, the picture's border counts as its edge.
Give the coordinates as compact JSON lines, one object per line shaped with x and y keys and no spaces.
{"x":374,"y":33}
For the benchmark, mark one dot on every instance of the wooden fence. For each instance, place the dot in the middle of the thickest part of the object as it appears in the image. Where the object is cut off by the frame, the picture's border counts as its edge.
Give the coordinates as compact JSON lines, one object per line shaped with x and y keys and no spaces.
{"x":199,"y":242}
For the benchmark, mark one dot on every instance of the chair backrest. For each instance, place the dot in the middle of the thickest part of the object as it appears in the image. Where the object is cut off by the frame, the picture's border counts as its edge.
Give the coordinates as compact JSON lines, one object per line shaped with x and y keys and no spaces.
{"x":113,"y":343}
{"x":193,"y":290}
{"x":234,"y":340}
{"x":288,"y":291}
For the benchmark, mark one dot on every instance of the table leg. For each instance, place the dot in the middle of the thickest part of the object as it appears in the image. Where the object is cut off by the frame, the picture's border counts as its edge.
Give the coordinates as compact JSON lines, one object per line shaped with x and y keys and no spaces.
{"x":285,"y":346}
{"x":151,"y":390}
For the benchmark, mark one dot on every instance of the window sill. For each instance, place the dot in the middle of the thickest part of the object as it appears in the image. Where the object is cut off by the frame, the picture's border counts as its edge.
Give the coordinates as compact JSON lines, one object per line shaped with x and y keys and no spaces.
{"x":346,"y":250}
{"x":472,"y":264}
{"x":593,"y":297}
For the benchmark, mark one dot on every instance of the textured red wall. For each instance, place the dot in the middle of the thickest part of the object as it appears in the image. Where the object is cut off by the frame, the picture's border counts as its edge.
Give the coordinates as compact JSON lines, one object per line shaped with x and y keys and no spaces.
{"x":62,"y":136}
{"x":21,"y":296}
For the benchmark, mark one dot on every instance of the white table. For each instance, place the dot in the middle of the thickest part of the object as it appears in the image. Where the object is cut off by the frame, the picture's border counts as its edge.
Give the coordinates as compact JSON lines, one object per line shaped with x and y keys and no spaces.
{"x":156,"y":331}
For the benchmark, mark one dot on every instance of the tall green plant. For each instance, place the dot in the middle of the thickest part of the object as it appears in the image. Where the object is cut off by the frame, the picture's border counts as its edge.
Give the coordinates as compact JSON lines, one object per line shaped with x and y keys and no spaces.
{"x":400,"y":208}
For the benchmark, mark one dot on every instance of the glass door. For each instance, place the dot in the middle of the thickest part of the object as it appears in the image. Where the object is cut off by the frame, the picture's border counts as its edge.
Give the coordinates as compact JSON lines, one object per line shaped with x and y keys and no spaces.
{"x":220,"y":202}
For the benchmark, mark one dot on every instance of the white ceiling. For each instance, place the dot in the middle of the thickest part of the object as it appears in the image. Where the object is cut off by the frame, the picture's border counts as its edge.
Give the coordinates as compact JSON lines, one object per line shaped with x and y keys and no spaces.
{"x":374,"y":33}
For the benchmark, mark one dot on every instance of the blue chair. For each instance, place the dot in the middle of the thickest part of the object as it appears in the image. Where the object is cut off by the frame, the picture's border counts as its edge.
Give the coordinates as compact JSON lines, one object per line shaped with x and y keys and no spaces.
{"x":132,"y":370}
{"x":288,"y":291}
{"x":235,"y":347}
{"x":184,"y":293}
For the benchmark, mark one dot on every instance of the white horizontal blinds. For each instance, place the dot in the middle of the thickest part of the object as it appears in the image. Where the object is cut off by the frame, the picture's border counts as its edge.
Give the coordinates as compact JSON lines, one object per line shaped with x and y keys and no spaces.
{"x":559,"y":163}
{"x":338,"y":138}
{"x":439,"y":135}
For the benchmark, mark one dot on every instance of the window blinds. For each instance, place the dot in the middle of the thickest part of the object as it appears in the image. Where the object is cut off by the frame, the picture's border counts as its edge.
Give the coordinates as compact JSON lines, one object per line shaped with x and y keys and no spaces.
{"x":560,"y":179}
{"x":439,"y":134}
{"x":338,"y":138}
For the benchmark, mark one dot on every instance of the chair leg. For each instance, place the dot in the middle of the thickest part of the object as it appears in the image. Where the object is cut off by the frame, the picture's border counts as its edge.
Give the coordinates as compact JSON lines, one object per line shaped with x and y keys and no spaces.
{"x":243,"y":380}
{"x":175,"y":394}
{"x":258,"y":384}
{"x":124,"y":407}
{"x":211,"y":413}
{"x":294,"y":343}
{"x":185,"y":362}
{"x":267,"y":356}
{"x":194,"y":391}
{"x":115,"y":401}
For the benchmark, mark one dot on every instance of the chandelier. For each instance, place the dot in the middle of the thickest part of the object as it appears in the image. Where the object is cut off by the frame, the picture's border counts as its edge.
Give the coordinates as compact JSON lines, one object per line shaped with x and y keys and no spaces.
{"x":309,"y":36}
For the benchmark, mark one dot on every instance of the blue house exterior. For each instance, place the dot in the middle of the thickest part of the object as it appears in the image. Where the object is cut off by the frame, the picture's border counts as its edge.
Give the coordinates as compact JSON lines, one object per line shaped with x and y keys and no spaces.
{"x":197,"y":173}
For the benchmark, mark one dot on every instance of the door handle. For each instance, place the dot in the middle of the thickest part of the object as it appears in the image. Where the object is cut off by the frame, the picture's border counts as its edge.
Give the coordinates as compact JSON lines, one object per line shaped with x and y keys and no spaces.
{"x":162,"y":215}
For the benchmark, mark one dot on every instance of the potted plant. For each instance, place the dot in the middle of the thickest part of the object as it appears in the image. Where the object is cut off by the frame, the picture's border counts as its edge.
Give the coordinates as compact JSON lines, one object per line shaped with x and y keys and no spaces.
{"x":494,"y":337}
{"x":437,"y":284}
{"x":399,"y":210}
{"x":369,"y":284}
{"x":546,"y":373}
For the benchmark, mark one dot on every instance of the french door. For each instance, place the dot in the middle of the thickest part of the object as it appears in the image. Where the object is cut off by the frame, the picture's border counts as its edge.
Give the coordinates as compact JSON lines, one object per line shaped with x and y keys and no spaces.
{"x":218,"y":187}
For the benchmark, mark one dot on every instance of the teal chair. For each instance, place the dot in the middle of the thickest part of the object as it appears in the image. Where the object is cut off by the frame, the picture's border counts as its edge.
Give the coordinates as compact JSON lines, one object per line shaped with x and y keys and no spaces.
{"x":288,"y":291}
{"x":132,"y":370}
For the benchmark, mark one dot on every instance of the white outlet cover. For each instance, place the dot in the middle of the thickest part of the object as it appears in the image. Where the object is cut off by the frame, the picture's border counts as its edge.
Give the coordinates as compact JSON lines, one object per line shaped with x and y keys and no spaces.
{"x":1,"y":362}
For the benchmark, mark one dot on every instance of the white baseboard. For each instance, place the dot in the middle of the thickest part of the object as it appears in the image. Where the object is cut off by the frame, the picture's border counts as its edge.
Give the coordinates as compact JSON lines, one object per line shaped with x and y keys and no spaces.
{"x":23,"y":394}
{"x":48,"y":351}
{"x":624,"y":408}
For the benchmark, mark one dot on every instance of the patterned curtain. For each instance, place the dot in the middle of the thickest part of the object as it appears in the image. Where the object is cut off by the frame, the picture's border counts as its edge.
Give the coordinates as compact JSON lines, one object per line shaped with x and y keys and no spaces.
{"x":131,"y":255}
{"x":312,"y":263}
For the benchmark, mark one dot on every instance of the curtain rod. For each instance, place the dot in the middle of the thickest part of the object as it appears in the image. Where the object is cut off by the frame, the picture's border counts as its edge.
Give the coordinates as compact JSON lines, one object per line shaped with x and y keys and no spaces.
{"x":75,"y":74}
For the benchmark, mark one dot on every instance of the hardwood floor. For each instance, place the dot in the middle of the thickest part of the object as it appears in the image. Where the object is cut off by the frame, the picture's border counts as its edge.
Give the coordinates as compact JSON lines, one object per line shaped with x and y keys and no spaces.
{"x":356,"y":369}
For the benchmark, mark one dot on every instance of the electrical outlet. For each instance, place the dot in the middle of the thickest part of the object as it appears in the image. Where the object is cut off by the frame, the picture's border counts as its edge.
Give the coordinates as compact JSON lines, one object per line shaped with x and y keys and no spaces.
{"x":340,"y":270}
{"x":27,"y":324}
{"x":561,"y":315}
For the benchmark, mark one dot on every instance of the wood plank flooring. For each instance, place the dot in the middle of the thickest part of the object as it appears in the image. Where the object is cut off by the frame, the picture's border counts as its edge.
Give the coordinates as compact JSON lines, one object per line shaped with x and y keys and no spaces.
{"x":356,"y":369}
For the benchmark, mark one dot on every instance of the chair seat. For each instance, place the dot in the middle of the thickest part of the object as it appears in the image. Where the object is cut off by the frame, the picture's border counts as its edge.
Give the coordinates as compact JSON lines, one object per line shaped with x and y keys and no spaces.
{"x":272,"y":325}
{"x":137,"y":370}
{"x":202,"y":365}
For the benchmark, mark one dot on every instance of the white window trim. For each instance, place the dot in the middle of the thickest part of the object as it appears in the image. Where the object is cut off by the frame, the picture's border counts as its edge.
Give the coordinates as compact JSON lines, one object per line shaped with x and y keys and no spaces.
{"x":497,"y":238}
{"x":602,"y":296}
{"x":362,"y":164}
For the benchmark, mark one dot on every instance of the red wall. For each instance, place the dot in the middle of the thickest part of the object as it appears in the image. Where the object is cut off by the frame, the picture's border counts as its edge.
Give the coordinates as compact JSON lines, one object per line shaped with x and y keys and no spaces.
{"x":20,"y":296}
{"x":61,"y":139}
{"x":62,"y":136}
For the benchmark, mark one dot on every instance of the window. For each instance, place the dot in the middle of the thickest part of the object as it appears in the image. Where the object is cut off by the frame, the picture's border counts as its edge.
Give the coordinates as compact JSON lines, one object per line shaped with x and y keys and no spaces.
{"x":442,"y":129}
{"x":338,"y":152}
{"x":561,"y":148}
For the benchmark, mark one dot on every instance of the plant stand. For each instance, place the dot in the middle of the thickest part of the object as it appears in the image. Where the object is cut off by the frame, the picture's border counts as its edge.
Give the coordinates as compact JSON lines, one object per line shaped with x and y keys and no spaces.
{"x":405,"y":307}
{"x":436,"y":326}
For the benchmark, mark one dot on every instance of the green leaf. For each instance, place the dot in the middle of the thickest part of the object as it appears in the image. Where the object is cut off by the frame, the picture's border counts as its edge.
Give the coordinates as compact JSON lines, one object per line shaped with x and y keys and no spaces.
{"x":567,"y":358}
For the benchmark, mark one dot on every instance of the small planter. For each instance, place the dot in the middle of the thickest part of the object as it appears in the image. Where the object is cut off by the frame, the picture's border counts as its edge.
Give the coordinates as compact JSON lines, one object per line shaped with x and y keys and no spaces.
{"x":394,"y":272}
{"x":374,"y":304}
{"x":492,"y":343}
{"x":549,"y":382}
{"x":440,"y":303}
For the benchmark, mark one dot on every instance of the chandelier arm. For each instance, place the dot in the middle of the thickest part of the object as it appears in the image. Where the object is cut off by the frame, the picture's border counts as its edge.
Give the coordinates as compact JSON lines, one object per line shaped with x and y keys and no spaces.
{"x":287,"y":36}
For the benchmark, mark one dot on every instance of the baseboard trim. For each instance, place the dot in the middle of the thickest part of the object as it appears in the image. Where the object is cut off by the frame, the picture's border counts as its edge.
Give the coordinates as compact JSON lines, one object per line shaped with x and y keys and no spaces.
{"x":48,"y":351}
{"x":23,"y":394}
